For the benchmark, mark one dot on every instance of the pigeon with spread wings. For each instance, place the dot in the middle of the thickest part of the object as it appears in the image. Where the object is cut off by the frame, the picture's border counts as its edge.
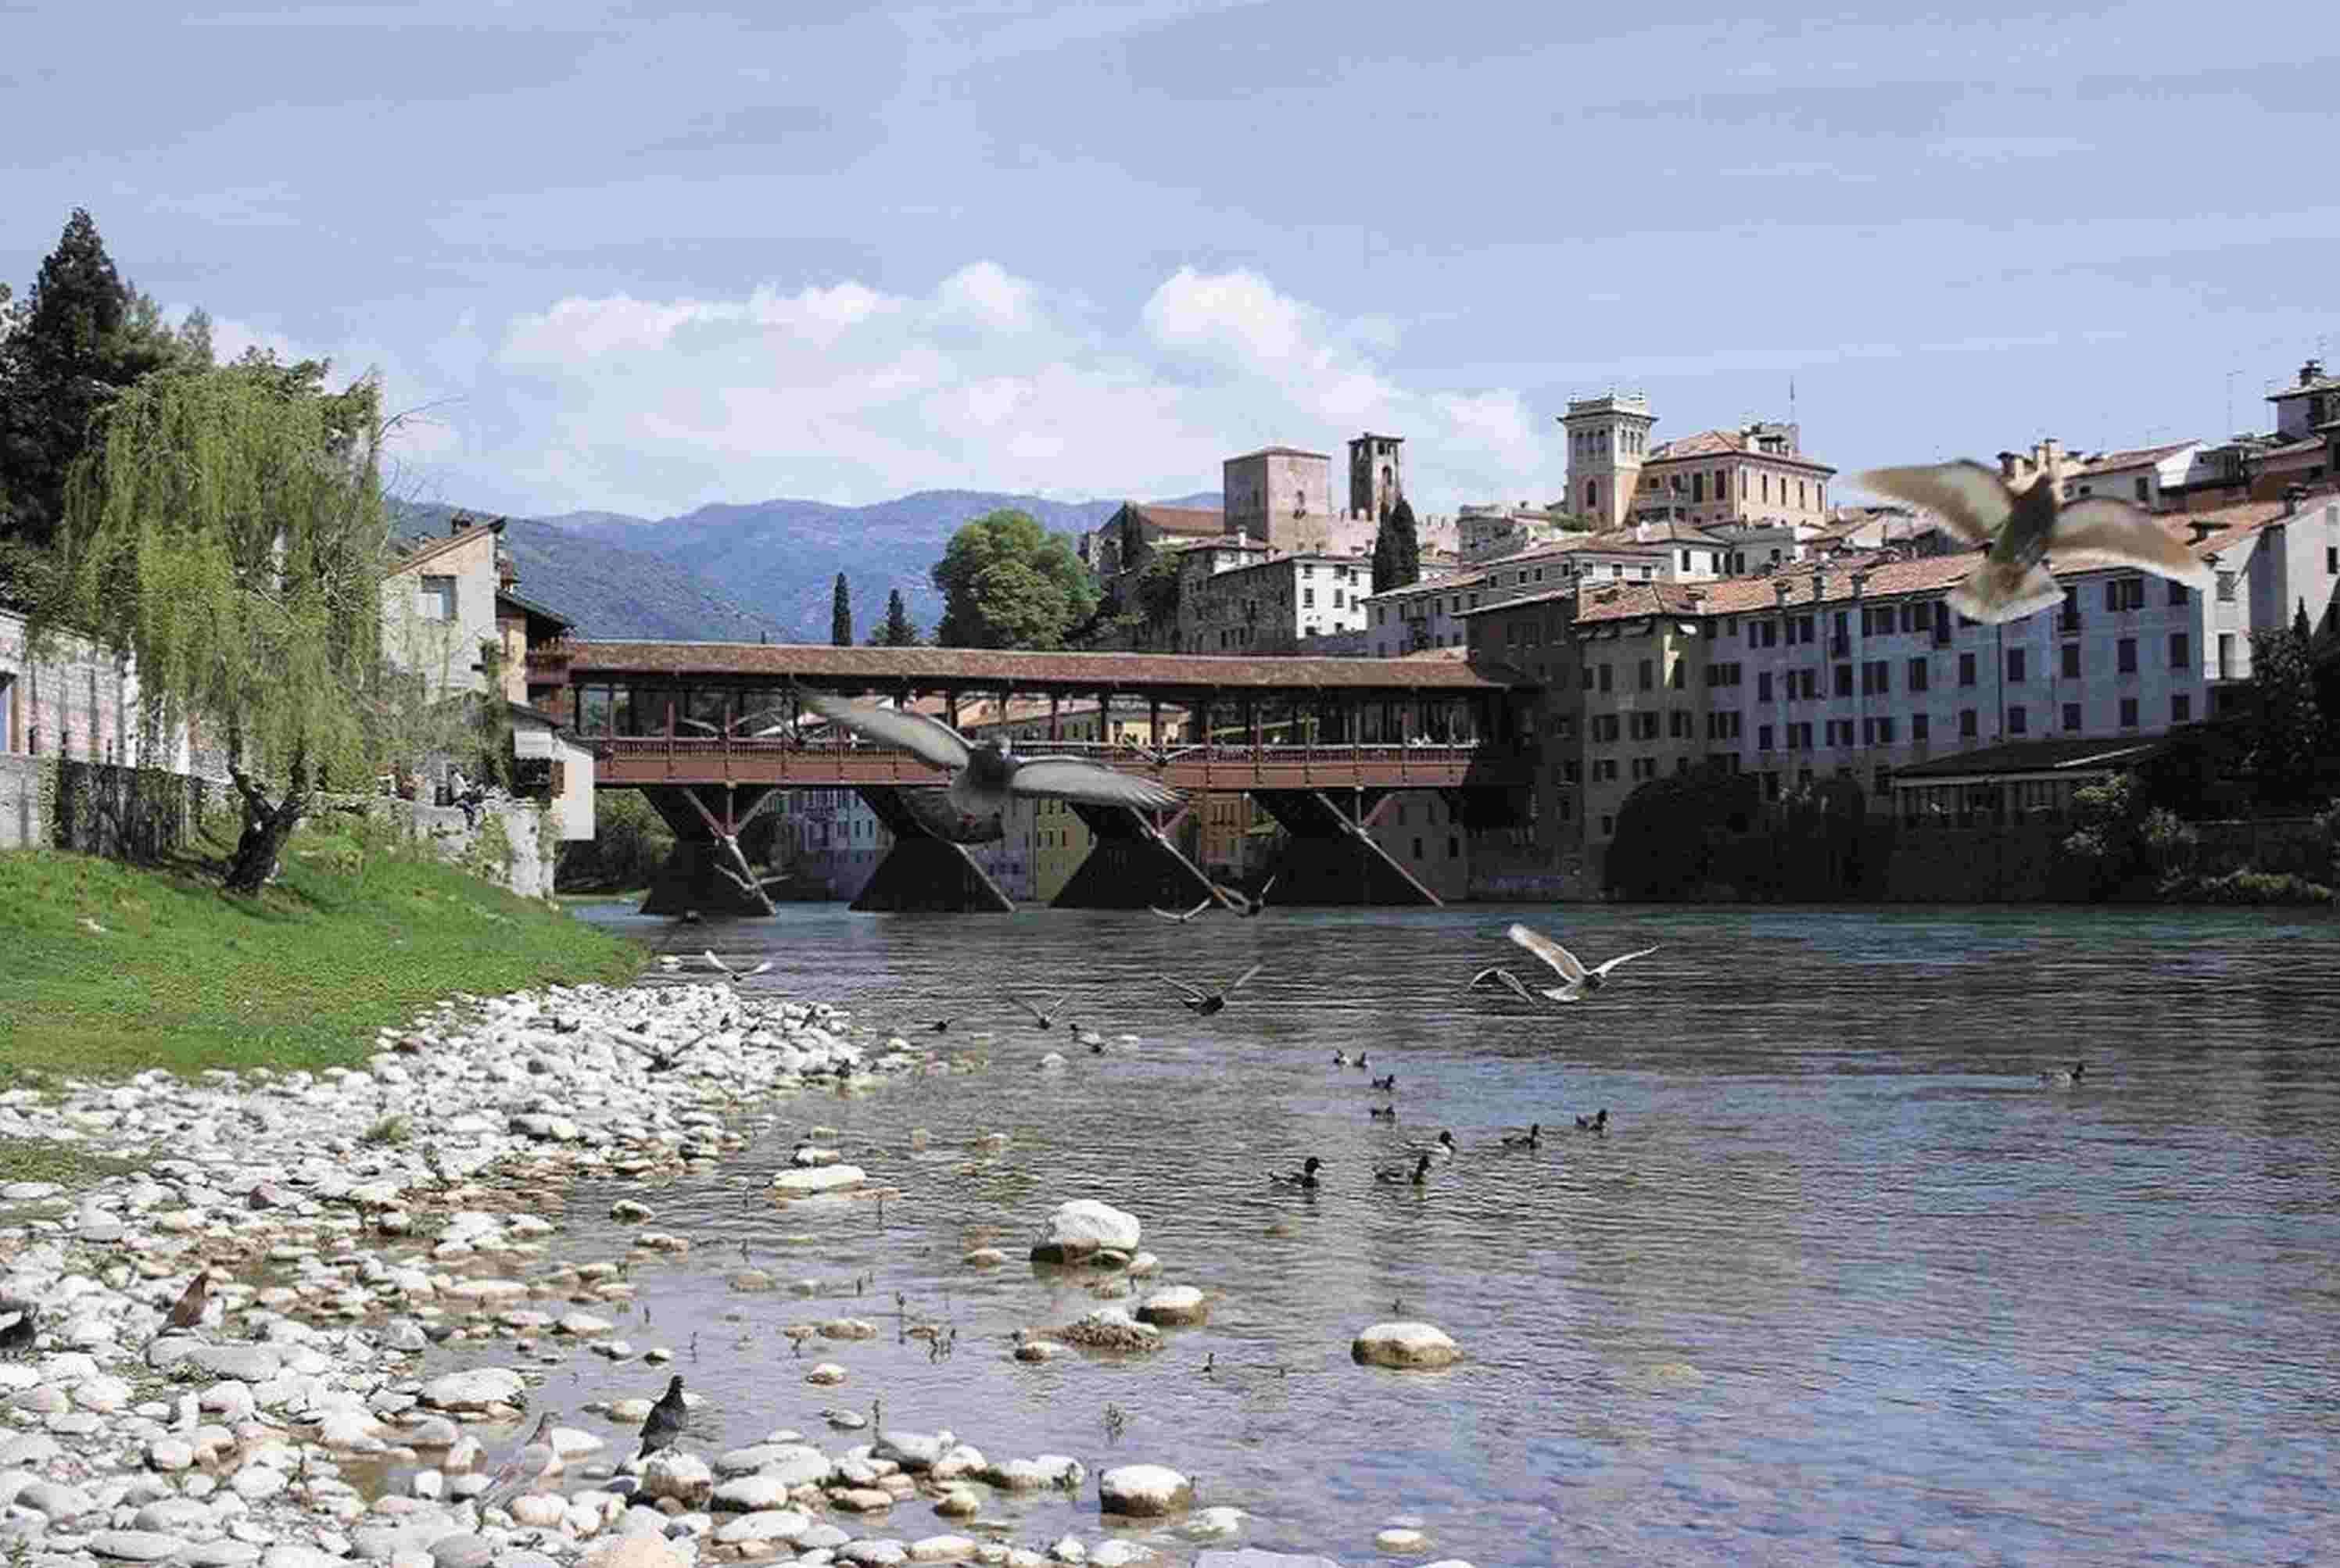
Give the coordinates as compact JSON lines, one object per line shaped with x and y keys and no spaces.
{"x":984,"y":777}
{"x":1580,"y":980}
{"x":1204,"y":1003}
{"x":2021,"y":529}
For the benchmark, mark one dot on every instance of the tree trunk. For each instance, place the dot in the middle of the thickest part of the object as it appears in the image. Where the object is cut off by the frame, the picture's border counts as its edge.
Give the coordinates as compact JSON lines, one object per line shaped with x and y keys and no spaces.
{"x":265,"y":829}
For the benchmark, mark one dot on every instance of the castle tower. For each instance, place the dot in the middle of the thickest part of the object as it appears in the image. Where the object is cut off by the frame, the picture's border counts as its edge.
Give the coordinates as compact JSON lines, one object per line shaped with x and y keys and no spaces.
{"x":1608,"y":437}
{"x":1376,"y":474}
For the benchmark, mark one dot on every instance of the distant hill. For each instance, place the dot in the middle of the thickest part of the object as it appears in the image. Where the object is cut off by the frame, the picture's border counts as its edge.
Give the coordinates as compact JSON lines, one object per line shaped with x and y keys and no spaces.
{"x":729,"y":572}
{"x":608,"y":589}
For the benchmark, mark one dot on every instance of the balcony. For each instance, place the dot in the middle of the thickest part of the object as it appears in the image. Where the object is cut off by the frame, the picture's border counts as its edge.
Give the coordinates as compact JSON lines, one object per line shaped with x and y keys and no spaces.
{"x":547,"y":663}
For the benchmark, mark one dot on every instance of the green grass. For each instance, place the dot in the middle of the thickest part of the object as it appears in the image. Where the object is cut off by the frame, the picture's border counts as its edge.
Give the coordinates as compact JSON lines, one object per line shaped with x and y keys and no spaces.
{"x":353,"y":936}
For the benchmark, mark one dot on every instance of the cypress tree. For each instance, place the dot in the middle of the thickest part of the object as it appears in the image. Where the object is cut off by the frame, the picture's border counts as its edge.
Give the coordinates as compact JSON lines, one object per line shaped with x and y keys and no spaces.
{"x":1384,"y":557}
{"x":840,"y":615}
{"x":898,"y":632}
{"x":1405,"y":545}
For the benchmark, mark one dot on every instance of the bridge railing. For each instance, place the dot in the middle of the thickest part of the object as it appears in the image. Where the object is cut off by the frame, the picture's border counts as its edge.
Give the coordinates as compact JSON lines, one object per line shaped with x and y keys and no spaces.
{"x":1113,"y":753}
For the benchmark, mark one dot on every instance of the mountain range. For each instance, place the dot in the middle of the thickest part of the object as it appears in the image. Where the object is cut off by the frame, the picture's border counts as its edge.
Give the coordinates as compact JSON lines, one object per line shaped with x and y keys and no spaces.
{"x":738,"y":573}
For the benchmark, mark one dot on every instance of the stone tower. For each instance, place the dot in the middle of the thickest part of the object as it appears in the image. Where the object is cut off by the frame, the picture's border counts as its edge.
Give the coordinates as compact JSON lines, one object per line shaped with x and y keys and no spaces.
{"x":1376,"y":474}
{"x":1608,"y":439}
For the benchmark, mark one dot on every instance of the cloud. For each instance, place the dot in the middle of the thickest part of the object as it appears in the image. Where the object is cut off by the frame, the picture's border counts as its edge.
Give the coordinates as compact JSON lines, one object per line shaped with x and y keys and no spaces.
{"x":845,"y":391}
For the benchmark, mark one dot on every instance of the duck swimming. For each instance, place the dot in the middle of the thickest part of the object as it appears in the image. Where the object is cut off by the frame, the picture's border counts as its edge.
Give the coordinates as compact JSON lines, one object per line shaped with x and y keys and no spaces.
{"x":1396,"y":1173}
{"x":1446,"y":1141}
{"x":1340,"y":1059}
{"x":2066,"y":1077}
{"x":1388,"y":1083}
{"x":1385,"y":1112}
{"x":1304,"y":1177}
{"x":1530,"y":1138}
{"x":1598,"y":1123}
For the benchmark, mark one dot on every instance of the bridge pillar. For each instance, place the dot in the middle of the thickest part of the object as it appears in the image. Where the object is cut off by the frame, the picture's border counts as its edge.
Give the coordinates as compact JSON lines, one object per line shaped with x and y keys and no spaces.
{"x":928,"y":869}
{"x":1330,"y":859}
{"x":1132,"y":865}
{"x":700,"y":873}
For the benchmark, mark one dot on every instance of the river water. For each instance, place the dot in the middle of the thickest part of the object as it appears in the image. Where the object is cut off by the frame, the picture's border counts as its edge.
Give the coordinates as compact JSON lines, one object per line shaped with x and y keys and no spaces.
{"x":1842,"y":1283}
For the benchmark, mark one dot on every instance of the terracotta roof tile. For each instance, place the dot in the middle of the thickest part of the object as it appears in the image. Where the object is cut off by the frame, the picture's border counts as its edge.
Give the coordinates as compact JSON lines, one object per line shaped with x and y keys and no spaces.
{"x":1181,"y":520}
{"x":2107,"y":463}
{"x":1724,"y":443}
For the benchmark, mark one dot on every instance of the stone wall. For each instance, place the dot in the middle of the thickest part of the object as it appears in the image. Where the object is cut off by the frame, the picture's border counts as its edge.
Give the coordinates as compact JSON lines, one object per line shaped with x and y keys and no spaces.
{"x":1974,"y":865}
{"x":525,"y":868}
{"x":48,"y":803}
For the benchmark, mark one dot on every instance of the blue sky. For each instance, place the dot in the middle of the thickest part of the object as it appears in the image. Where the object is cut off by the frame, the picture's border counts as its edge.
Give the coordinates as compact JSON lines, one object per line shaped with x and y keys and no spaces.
{"x":637,"y":258}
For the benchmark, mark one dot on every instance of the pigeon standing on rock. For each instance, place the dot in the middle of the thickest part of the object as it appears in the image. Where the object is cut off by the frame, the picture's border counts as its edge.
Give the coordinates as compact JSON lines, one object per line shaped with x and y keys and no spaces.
{"x":188,"y":1310}
{"x":2019,"y":529}
{"x":537,"y":1460}
{"x":18,"y":1321}
{"x":664,"y":1422}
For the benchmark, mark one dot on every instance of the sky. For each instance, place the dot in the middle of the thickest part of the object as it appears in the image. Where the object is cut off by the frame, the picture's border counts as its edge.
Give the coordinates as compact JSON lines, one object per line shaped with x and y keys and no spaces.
{"x":635,"y":258}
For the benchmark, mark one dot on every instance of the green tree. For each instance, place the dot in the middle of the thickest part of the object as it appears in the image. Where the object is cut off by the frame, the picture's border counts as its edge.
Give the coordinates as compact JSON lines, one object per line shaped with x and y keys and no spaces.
{"x":226,"y":529}
{"x":898,"y":632}
{"x":79,"y":337}
{"x":840,"y":615}
{"x":1384,"y":557}
{"x":2288,"y":724}
{"x":1008,"y":583}
{"x":2124,"y":846}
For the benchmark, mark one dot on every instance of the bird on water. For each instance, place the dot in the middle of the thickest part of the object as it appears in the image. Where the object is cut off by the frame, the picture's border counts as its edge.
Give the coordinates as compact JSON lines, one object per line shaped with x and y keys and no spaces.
{"x":1531,"y":1138}
{"x":1204,"y":1003}
{"x":714,"y":962}
{"x":1044,"y":1017}
{"x":1304,"y":1177}
{"x":1579,"y":980}
{"x":2019,"y":529}
{"x":1383,"y":1112}
{"x":2066,"y":1077}
{"x":985,"y":778}
{"x":1394,"y":1173}
{"x":1598,"y":1122}
{"x":664,"y":1422}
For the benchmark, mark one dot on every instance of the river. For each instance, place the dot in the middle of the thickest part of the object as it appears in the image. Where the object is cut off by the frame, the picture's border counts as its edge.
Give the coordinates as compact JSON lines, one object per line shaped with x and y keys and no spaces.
{"x":1842,"y":1283}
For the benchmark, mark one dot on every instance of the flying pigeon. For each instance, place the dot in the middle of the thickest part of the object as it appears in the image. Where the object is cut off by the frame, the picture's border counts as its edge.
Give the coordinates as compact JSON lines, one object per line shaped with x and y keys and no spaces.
{"x":1204,"y":1003}
{"x":984,"y":777}
{"x":2021,"y":529}
{"x":715,"y":962}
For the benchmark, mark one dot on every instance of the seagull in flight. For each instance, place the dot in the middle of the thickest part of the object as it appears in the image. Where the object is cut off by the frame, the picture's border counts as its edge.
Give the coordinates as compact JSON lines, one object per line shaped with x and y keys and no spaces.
{"x":1204,"y":1003}
{"x":714,"y":962}
{"x":984,"y":777}
{"x":1047,"y":1019}
{"x":1580,"y":980}
{"x":1495,"y":976}
{"x":2019,"y":529}
{"x":1174,"y":914}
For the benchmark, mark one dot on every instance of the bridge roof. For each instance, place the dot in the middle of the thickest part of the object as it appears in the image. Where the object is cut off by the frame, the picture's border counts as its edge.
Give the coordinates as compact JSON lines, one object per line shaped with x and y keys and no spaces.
{"x":933,"y":668}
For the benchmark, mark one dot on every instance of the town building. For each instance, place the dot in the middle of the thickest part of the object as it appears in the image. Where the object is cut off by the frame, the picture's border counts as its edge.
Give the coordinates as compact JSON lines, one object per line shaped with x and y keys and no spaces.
{"x":833,"y":837}
{"x":1859,"y":668}
{"x":1483,"y":532}
{"x":1283,"y":604}
{"x":2142,"y":476}
{"x":452,"y":617}
{"x":1125,"y":541}
{"x":2304,"y":448}
{"x":1421,"y":615}
{"x":1755,"y":475}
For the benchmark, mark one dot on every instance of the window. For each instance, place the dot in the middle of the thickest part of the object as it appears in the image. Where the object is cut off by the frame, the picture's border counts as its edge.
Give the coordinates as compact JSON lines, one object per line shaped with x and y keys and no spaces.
{"x":1308,"y":598}
{"x":2181,"y":708}
{"x":1763,"y":738}
{"x":1918,"y":674}
{"x":1921,"y":725}
{"x":2181,"y":650}
{"x":2226,"y":587}
{"x":1607,"y":825}
{"x":1604,"y":678}
{"x":2143,"y":488}
{"x":1648,"y":675}
{"x":2128,"y":713}
{"x":2072,"y":717}
{"x":2018,"y":721}
{"x":1843,"y":680}
{"x":2226,"y":655}
{"x":2071,"y":668}
{"x":2179,"y":593}
{"x":1876,"y":678}
{"x":1762,"y":686}
{"x":2125,"y":594}
{"x":438,"y":601}
{"x":1968,"y":728}
{"x":1677,"y":723}
{"x":2127,"y":663}
{"x":1965,"y":669}
{"x":1417,"y":849}
{"x":1454,"y":847}
{"x":2015,"y":666}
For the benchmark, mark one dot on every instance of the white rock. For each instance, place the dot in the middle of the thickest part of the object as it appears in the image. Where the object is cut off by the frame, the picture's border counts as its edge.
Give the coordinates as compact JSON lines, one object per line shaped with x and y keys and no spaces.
{"x":476,"y":1389}
{"x":1143,"y":1490}
{"x":1082,"y":1226}
{"x":1176,"y":1304}
{"x":1404,"y":1345}
{"x":825,"y":1372}
{"x":822,"y":1178}
{"x":1400,"y":1540}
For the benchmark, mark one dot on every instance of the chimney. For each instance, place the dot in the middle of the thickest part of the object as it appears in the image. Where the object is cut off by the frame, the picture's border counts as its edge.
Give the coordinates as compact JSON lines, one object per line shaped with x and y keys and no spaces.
{"x":1819,"y":583}
{"x":1780,"y":588}
{"x":2311,"y":372}
{"x":1860,"y":581}
{"x":458,"y":523}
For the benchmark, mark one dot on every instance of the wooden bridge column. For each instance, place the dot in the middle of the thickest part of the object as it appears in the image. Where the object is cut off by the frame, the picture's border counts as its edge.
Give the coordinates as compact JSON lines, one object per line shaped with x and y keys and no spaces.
{"x":1329,"y":857}
{"x":927,"y":871}
{"x":1131,"y":863}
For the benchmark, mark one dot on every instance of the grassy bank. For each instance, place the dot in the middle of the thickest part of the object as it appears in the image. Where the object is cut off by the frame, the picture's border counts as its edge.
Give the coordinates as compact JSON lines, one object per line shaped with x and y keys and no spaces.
{"x":177,"y":976}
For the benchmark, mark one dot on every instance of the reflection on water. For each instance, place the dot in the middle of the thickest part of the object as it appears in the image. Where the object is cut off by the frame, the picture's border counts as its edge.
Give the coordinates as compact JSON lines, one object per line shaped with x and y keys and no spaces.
{"x":1842,"y":1284}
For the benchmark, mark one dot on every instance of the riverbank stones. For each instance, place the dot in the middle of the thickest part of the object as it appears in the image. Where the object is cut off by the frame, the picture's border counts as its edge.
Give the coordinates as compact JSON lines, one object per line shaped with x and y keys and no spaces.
{"x":1416,"y":1347}
{"x":1175,"y":1307}
{"x":818,"y":1179}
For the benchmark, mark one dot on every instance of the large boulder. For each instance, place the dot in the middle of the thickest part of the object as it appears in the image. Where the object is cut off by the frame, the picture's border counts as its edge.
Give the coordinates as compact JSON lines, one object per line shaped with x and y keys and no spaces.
{"x":1404,"y":1345}
{"x":1083,"y":1226}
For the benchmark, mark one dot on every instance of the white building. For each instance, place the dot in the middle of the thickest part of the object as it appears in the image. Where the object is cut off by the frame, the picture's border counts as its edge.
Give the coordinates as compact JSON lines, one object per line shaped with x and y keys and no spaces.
{"x":2138,"y":476}
{"x":1278,"y":605}
{"x":1419,"y":616}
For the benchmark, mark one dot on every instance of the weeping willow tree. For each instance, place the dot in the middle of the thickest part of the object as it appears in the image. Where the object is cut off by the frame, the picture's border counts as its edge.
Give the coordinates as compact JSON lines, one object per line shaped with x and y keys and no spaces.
{"x":226,"y":530}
